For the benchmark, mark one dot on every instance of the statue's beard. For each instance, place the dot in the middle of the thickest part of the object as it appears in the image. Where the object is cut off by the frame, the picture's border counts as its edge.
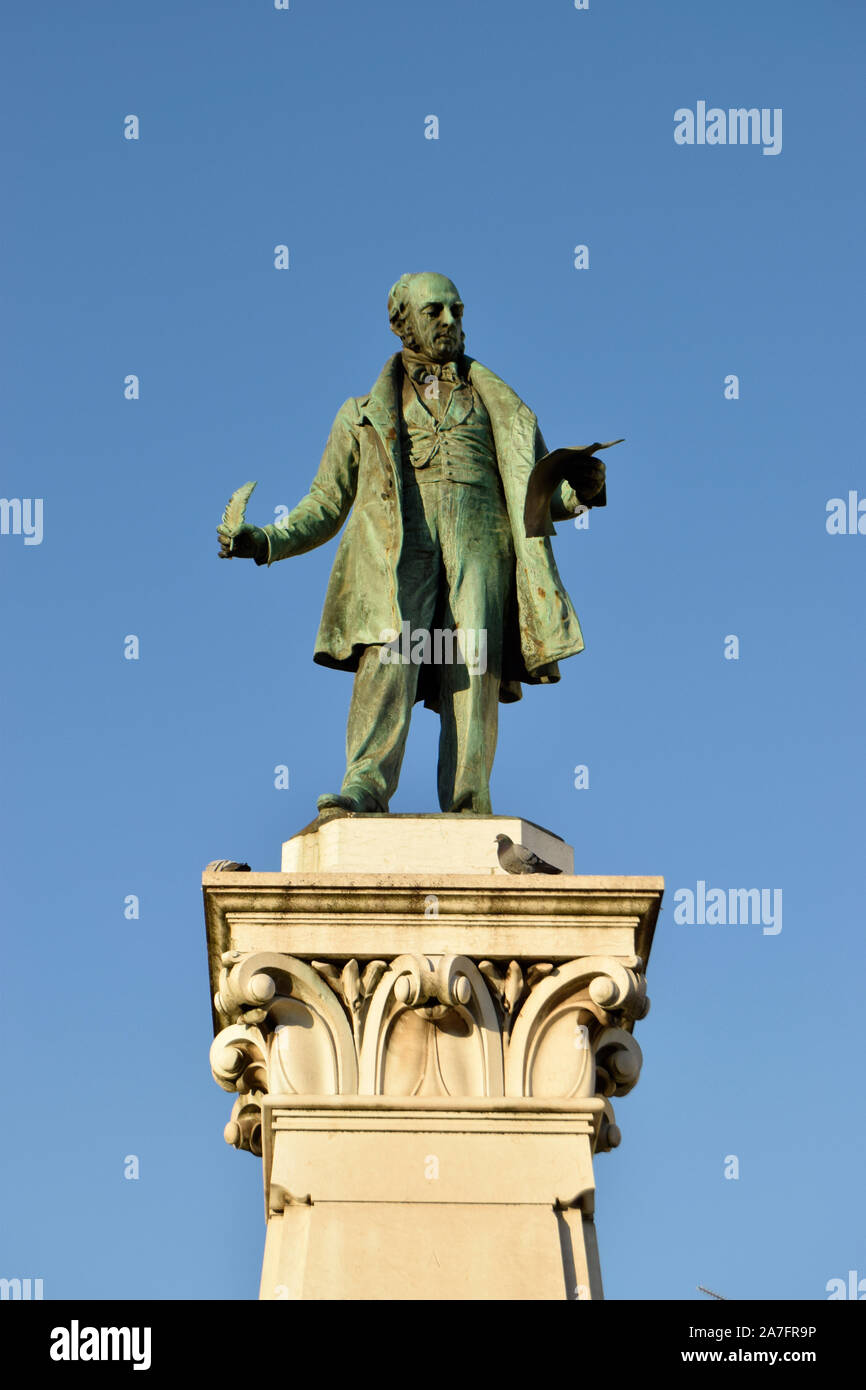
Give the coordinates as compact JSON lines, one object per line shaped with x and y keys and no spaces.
{"x":432,"y":351}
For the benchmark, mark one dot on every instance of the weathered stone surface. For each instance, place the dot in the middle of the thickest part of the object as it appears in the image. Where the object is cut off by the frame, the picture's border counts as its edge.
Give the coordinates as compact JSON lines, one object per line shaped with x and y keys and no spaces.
{"x":426,"y":1063}
{"x":431,"y":1199}
{"x":390,"y":844}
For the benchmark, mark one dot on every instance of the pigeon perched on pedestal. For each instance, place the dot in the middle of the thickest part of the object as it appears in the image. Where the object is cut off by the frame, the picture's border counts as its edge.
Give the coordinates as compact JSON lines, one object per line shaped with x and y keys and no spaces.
{"x":517,"y":859}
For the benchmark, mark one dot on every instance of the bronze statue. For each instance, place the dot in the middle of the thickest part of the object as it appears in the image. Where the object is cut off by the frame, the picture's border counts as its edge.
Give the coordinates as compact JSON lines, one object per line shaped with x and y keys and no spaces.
{"x":437,"y":591}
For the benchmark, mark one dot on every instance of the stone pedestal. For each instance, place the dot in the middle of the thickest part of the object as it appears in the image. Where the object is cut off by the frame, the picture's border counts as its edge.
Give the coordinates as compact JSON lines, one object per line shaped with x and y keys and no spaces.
{"x":425,"y":1059}
{"x":386,"y":844}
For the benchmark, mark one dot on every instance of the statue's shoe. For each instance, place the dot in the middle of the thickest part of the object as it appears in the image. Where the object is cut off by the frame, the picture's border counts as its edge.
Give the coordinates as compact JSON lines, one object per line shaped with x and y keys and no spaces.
{"x":352,"y":799}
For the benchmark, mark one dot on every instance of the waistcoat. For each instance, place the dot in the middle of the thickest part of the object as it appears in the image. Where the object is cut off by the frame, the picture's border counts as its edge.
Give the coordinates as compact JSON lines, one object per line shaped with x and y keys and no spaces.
{"x":456,"y":448}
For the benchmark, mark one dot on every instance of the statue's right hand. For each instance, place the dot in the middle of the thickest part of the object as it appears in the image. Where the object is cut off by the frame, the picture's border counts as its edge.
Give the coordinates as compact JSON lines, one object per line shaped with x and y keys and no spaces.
{"x":245,"y":542}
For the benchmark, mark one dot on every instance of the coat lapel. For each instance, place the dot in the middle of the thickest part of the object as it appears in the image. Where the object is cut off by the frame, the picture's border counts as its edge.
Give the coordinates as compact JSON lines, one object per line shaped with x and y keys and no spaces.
{"x":381,"y":411}
{"x":500,"y":402}
{"x":514,"y":429}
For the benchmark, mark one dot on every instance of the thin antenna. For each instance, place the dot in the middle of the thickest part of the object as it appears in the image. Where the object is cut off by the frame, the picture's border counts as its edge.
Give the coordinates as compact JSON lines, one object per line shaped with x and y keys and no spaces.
{"x":712,"y":1295}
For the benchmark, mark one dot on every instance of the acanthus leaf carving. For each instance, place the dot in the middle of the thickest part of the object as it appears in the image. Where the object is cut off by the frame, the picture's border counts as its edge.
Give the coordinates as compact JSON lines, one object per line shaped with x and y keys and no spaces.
{"x":453,"y":1041}
{"x":438,"y":1025}
{"x":353,"y":986}
{"x":579,"y":999}
{"x":274,"y":996}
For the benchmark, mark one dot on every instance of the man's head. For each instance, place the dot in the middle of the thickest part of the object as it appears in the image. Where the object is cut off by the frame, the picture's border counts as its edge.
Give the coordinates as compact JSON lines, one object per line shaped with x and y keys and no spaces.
{"x":426,"y":312}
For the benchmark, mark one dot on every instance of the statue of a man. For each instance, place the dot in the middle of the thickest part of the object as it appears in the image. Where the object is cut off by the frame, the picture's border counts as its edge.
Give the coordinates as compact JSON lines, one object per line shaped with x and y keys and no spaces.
{"x":436,"y":591}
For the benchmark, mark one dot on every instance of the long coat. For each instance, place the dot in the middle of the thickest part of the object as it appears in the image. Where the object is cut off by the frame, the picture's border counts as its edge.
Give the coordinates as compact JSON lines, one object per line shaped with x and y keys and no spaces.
{"x":360,"y":477}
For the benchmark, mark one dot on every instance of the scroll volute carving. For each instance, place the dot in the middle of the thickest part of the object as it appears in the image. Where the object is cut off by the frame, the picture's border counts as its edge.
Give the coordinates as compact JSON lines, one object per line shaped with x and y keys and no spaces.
{"x":568,"y":1040}
{"x":431,"y":1029}
{"x":244,"y":1129}
{"x":239,"y":1059}
{"x":239,"y":1062}
{"x":291,"y":1020}
{"x":421,"y":1026}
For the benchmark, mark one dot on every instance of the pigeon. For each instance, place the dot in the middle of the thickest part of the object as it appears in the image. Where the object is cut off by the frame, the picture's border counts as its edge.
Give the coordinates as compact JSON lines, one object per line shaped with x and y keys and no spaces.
{"x":517,"y":859}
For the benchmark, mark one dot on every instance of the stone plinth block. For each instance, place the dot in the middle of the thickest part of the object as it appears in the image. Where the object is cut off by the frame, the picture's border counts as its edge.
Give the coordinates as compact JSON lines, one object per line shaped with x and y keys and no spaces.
{"x":426,"y":1063}
{"x":418,"y":844}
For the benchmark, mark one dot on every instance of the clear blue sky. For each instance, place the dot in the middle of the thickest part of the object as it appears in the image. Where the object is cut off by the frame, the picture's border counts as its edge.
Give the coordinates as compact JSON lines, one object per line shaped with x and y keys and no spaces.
{"x":155,"y":257}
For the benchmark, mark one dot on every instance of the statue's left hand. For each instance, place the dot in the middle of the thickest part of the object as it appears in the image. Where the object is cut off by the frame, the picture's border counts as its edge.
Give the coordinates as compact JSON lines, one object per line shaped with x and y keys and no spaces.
{"x":587,"y":478}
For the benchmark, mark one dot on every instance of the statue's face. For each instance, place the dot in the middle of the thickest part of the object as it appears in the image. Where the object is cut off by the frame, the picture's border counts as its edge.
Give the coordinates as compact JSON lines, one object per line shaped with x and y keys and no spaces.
{"x":436,"y":317}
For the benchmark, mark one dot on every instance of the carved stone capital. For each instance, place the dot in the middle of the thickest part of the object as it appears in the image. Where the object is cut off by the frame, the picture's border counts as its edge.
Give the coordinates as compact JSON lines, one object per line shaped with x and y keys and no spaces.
{"x":421,"y":1061}
{"x":428,"y":1026}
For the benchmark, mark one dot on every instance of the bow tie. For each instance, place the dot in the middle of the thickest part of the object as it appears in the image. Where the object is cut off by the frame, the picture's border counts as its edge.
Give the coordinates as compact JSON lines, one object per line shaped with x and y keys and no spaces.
{"x":420,"y":371}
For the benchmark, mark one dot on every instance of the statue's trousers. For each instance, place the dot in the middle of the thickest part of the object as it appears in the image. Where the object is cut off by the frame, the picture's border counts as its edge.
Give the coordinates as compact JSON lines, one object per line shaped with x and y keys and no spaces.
{"x":455,"y":574}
